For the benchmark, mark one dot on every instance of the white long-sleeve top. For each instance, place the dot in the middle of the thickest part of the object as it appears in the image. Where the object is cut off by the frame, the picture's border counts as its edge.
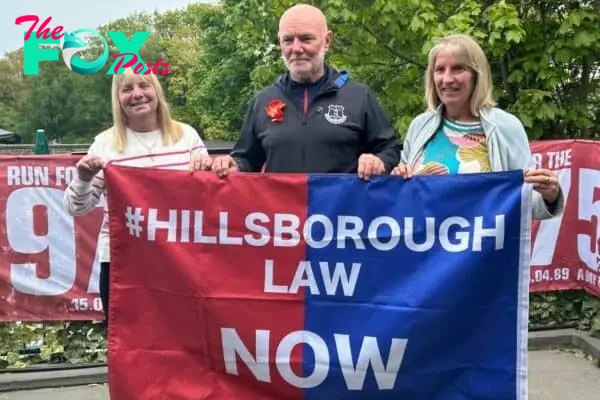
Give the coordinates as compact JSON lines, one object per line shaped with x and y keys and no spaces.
{"x":142,"y":149}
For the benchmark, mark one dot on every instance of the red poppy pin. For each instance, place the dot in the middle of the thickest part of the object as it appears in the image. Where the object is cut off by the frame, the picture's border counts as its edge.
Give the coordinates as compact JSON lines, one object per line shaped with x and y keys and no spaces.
{"x":275,"y":110}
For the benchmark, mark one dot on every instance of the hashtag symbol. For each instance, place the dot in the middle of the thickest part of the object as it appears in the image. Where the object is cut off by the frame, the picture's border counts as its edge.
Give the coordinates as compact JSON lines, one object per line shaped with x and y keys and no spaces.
{"x":134,"y":220}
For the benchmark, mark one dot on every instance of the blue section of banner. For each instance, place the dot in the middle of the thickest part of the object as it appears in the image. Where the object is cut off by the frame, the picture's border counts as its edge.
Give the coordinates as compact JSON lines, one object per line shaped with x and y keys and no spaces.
{"x":455,"y":304}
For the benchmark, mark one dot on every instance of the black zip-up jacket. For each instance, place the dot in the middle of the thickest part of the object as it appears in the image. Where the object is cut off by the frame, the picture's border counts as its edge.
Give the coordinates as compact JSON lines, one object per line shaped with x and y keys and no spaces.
{"x":343,"y":121}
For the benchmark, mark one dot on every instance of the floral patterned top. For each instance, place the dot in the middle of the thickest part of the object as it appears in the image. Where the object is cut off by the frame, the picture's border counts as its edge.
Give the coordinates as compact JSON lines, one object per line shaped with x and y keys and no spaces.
{"x":456,"y":148}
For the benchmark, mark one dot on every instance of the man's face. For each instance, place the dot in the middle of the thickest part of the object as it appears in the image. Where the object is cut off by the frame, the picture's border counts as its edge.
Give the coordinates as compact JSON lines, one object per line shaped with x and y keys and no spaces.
{"x":303,"y":41}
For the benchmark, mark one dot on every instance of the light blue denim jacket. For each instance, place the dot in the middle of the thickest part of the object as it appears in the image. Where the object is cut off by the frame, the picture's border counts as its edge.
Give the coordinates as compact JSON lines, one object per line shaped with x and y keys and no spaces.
{"x":508,"y":147}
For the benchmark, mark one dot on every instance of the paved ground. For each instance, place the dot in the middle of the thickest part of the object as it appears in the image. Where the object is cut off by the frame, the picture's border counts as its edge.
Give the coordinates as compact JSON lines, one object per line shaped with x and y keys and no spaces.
{"x":93,"y":392}
{"x":554,"y":375}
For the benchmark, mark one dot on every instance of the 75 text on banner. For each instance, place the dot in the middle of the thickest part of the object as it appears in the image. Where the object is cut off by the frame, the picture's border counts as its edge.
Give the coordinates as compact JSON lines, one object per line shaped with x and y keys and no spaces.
{"x":566,"y":250}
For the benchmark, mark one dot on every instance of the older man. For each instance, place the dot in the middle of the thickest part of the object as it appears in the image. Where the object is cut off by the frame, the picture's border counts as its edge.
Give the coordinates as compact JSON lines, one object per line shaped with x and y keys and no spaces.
{"x":313,"y":119}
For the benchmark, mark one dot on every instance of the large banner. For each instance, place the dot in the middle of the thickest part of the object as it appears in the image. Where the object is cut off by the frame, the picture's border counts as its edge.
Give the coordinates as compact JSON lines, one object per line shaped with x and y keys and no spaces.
{"x":49,"y":271}
{"x":317,"y":287}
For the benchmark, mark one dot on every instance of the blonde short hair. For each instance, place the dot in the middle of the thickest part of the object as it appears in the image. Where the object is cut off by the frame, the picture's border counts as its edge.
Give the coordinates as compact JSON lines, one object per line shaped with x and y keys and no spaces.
{"x":171,"y":131}
{"x":467,"y":48}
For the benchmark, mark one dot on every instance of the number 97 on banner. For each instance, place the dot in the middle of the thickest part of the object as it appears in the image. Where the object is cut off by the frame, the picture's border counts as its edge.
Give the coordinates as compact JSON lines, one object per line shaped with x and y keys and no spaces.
{"x":47,"y":259}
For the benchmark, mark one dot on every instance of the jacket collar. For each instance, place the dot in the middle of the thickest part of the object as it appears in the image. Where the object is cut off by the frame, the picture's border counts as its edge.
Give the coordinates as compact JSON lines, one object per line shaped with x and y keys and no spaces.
{"x":431,"y":124}
{"x":333,"y":80}
{"x":484,"y":115}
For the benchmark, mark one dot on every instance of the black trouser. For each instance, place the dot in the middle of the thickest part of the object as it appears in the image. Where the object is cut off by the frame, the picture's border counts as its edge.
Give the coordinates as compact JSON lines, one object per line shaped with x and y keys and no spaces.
{"x":104,"y":284}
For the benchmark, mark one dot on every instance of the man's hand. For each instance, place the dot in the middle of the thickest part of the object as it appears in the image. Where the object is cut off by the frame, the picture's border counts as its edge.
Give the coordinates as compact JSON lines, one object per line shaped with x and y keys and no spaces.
{"x":369,"y":165}
{"x":224,"y":165}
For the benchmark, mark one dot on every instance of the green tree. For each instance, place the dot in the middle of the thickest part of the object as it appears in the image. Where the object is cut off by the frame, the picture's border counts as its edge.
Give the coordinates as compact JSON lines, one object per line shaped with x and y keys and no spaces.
{"x":178,"y":34}
{"x":47,"y":104}
{"x":13,"y":90}
{"x":544,"y":55}
{"x":222,"y":85}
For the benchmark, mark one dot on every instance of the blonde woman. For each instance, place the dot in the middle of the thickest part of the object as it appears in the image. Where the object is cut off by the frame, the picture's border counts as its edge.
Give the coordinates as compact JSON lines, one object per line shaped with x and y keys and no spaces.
{"x":143,"y":135}
{"x":464,"y":132}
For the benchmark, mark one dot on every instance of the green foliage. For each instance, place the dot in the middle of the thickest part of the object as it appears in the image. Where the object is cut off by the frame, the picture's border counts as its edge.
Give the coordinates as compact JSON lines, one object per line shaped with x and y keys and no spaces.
{"x":545,"y":60}
{"x":565,"y":308}
{"x":550,"y":81}
{"x":66,"y":342}
{"x":12,"y":90}
{"x":220,"y":94}
{"x":385,"y":55}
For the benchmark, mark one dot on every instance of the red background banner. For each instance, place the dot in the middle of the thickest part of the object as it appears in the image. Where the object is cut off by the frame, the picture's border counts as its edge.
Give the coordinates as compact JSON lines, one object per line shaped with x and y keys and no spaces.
{"x":48,"y":269}
{"x":565,"y":250}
